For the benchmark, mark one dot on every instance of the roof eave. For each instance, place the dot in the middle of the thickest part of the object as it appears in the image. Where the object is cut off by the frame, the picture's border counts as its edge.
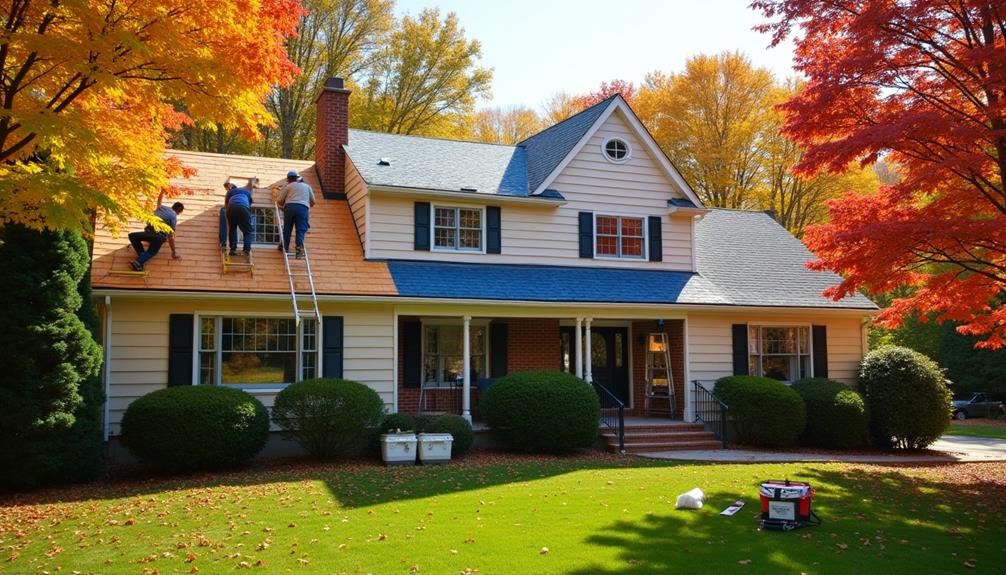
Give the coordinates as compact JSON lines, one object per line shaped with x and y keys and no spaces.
{"x":463,"y":196}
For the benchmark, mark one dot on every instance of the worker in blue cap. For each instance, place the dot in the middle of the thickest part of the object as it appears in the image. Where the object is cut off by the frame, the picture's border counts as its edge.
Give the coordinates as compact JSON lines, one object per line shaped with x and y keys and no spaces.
{"x":296,"y":198}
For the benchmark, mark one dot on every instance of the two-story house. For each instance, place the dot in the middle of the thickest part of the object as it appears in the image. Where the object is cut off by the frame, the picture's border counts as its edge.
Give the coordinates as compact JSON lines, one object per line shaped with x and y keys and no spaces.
{"x":442,"y":264}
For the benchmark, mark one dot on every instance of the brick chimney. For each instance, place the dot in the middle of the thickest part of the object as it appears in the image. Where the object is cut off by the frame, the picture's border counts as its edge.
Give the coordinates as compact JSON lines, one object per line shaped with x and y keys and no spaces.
{"x":332,"y":132}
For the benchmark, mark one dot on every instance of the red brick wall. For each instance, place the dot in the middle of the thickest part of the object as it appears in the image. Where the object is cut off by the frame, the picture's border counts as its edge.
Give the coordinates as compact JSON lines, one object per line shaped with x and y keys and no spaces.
{"x":332,"y":131}
{"x":676,"y":340}
{"x":531,"y":344}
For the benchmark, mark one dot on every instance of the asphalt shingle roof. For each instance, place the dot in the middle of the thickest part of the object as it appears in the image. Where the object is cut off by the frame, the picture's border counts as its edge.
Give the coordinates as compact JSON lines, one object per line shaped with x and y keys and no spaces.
{"x":756,"y":262}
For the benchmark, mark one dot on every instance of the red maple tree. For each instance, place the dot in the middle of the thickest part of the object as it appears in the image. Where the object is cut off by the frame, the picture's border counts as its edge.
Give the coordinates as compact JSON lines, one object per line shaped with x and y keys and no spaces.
{"x":607,"y":90}
{"x":921,"y":83}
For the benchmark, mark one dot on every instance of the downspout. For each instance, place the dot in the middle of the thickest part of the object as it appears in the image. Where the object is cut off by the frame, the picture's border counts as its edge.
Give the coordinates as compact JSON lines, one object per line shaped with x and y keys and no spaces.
{"x":107,"y":370}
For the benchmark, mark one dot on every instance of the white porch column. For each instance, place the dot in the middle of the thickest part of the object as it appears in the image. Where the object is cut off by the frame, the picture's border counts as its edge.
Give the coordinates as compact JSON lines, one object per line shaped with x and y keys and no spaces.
{"x":578,"y":347}
{"x":588,"y":373}
{"x":466,"y":384}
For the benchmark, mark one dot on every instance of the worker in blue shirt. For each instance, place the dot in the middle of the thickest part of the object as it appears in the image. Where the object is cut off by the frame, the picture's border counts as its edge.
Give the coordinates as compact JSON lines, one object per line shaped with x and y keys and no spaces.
{"x":155,"y":238}
{"x":237,"y":204}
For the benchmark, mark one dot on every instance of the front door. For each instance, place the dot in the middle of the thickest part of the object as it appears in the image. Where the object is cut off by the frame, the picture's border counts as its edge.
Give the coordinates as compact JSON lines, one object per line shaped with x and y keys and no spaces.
{"x":609,"y":349}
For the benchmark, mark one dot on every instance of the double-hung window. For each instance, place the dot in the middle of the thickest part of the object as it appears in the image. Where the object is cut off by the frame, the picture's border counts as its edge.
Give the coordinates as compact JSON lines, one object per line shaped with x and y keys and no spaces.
{"x":779,"y":352}
{"x":256,"y":351}
{"x":458,"y":229}
{"x":619,"y":236}
{"x":443,"y":354}
{"x":266,"y":229}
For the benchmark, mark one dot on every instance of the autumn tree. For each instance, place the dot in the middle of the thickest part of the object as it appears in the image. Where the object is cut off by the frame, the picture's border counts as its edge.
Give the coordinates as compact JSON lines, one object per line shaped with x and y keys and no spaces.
{"x":88,"y":88}
{"x":425,"y":81}
{"x":559,"y":106}
{"x":922,"y":82}
{"x":606,"y":90}
{"x":506,"y":125}
{"x":710,"y":119}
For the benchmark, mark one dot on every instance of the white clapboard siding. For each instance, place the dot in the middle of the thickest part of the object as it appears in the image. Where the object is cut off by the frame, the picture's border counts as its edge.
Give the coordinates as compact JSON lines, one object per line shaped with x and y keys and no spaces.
{"x":710,"y":342}
{"x":139,"y":351}
{"x":356,"y":194}
{"x":550,"y":235}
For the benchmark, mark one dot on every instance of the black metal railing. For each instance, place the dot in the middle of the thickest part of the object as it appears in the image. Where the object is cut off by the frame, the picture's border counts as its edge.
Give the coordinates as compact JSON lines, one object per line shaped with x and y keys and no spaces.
{"x":612,"y":413}
{"x":710,"y":410}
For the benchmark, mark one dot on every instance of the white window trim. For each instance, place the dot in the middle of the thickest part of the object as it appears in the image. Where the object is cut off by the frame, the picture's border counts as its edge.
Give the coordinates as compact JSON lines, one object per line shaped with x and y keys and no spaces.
{"x":252,"y":388}
{"x":279,"y":224}
{"x":810,"y":342}
{"x":604,"y":150}
{"x":646,"y":237}
{"x":457,"y":228}
{"x":444,"y":321}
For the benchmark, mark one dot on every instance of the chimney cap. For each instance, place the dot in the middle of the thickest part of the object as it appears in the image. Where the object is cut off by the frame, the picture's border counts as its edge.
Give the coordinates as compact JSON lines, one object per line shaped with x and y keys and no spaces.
{"x":334,"y":84}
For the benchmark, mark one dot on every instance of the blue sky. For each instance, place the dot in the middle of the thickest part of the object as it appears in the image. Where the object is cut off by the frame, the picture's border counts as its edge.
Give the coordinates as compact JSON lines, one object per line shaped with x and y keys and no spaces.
{"x":538,"y":47}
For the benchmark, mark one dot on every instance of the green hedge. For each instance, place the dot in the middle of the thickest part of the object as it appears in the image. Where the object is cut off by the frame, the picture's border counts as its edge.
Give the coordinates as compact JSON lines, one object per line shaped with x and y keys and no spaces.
{"x":195,"y":427}
{"x":762,"y":410}
{"x":400,"y":421}
{"x":542,"y":411}
{"x":836,"y":414}
{"x":907,"y":398}
{"x":459,"y":428}
{"x":328,"y":417}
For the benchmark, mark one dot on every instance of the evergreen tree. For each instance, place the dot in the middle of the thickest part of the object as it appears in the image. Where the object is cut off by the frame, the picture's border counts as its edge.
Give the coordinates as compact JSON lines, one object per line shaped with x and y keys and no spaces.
{"x":50,"y":355}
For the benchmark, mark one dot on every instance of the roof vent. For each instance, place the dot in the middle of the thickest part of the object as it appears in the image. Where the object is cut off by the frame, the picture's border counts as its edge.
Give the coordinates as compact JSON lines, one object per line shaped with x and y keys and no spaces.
{"x":384,"y":162}
{"x":469,"y":189}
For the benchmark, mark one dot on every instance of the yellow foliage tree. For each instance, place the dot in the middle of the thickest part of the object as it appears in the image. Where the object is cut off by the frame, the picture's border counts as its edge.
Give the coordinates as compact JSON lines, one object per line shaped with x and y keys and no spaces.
{"x":506,"y":125}
{"x":710,"y":120}
{"x":425,"y":81}
{"x":90,"y":87}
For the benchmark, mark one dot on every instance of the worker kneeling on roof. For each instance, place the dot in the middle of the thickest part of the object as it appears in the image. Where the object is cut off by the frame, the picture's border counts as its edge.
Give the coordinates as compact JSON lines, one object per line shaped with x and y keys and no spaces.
{"x":296,"y":198}
{"x":237,"y":204}
{"x":154,"y":238}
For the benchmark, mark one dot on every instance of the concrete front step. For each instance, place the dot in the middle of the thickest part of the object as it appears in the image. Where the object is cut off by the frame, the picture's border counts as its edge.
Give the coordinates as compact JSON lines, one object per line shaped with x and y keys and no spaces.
{"x":666,"y":446}
{"x":648,"y":437}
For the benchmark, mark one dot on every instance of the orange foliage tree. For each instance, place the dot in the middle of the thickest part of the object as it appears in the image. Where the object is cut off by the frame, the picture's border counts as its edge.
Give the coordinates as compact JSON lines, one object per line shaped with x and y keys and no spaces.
{"x":922,"y":83}
{"x":606,"y":90}
{"x":89,"y":88}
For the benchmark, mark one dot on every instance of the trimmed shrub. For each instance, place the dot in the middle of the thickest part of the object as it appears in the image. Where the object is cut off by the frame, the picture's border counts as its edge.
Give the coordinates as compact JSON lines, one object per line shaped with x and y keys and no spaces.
{"x":393,"y":421}
{"x":907,"y":398}
{"x":328,"y":417}
{"x":195,"y":427}
{"x":542,"y":411}
{"x":836,"y":414}
{"x":762,"y":410}
{"x":459,"y":428}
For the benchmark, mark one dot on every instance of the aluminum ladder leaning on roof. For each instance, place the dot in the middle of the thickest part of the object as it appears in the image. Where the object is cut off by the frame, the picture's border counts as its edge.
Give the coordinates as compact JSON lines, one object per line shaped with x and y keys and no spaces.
{"x":292,"y":275}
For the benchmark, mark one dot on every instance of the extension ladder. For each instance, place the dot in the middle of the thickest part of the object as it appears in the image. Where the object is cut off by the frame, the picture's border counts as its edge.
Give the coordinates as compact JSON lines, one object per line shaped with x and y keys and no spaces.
{"x":292,"y":273}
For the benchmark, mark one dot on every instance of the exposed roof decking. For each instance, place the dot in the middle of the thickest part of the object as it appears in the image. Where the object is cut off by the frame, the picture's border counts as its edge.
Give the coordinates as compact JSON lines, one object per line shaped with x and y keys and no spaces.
{"x":336,"y":256}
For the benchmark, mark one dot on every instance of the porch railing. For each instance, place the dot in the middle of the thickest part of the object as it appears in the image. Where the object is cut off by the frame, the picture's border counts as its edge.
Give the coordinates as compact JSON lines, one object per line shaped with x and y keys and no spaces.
{"x":612,"y":413}
{"x":710,"y":410}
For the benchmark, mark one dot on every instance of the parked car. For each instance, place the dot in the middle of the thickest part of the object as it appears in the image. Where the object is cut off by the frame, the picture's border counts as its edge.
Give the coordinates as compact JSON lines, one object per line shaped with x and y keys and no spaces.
{"x":978,"y":405}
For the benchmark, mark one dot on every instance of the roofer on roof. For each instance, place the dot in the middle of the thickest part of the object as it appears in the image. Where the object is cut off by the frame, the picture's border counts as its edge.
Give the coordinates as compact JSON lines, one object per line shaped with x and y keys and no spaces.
{"x":237,"y":204}
{"x":154,"y":238}
{"x":296,"y":198}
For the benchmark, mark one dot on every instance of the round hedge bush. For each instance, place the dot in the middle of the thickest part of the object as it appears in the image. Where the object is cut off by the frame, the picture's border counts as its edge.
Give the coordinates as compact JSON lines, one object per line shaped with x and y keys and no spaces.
{"x":762,"y":410}
{"x":459,"y":428}
{"x":195,"y":427}
{"x":836,"y":414}
{"x":400,"y":421}
{"x":907,"y":398}
{"x":328,"y":417}
{"x":542,"y":411}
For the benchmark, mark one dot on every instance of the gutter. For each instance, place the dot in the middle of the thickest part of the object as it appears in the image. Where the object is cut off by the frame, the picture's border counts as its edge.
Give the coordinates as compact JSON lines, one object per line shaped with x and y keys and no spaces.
{"x":465,"y":195}
{"x":107,"y":370}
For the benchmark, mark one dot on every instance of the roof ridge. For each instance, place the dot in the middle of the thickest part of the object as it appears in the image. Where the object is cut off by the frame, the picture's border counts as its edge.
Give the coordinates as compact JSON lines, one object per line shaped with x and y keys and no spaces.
{"x":564,"y":120}
{"x":237,"y":156}
{"x":417,"y":137}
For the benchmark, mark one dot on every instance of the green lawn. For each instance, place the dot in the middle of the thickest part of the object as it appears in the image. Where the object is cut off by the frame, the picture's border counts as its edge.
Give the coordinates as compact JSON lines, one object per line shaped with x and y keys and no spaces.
{"x":978,"y":430}
{"x":499,"y":516}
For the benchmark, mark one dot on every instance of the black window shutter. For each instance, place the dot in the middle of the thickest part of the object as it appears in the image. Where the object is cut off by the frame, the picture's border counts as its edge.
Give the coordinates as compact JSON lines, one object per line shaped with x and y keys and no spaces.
{"x":180,"y":348}
{"x":412,"y":350}
{"x":586,"y":234}
{"x":422,"y":226}
{"x":656,"y":244}
{"x":494,"y":230}
{"x":740,"y":332}
{"x":819,"y":335}
{"x":497,"y":349}
{"x":332,"y":342}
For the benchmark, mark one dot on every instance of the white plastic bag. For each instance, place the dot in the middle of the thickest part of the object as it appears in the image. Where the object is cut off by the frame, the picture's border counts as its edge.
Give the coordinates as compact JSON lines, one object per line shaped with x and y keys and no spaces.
{"x":691,"y":500}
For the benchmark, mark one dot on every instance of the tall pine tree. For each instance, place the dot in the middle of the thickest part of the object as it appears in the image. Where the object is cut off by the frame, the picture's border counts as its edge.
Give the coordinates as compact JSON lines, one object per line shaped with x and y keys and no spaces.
{"x":51,"y":357}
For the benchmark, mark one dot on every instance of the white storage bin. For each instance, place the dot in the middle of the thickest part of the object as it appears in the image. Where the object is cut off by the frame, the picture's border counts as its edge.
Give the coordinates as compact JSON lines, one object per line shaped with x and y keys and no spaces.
{"x":435,"y":447}
{"x":398,"y":448}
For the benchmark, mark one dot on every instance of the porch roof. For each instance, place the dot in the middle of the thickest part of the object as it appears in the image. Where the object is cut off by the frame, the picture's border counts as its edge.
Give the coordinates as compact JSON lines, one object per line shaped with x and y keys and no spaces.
{"x":551,"y":283}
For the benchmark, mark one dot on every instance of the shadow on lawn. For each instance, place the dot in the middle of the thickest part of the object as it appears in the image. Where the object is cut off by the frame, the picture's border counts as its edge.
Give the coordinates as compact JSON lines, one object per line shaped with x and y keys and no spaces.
{"x":868,"y":515}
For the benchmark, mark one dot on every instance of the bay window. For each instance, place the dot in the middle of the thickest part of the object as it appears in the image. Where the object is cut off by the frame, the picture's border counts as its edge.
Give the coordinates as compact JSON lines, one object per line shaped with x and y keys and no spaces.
{"x":779,"y":352}
{"x":256,"y":351}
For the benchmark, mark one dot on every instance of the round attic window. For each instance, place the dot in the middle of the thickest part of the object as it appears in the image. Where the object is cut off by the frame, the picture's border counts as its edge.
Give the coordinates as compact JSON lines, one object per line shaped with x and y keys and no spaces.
{"x":616,"y":150}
